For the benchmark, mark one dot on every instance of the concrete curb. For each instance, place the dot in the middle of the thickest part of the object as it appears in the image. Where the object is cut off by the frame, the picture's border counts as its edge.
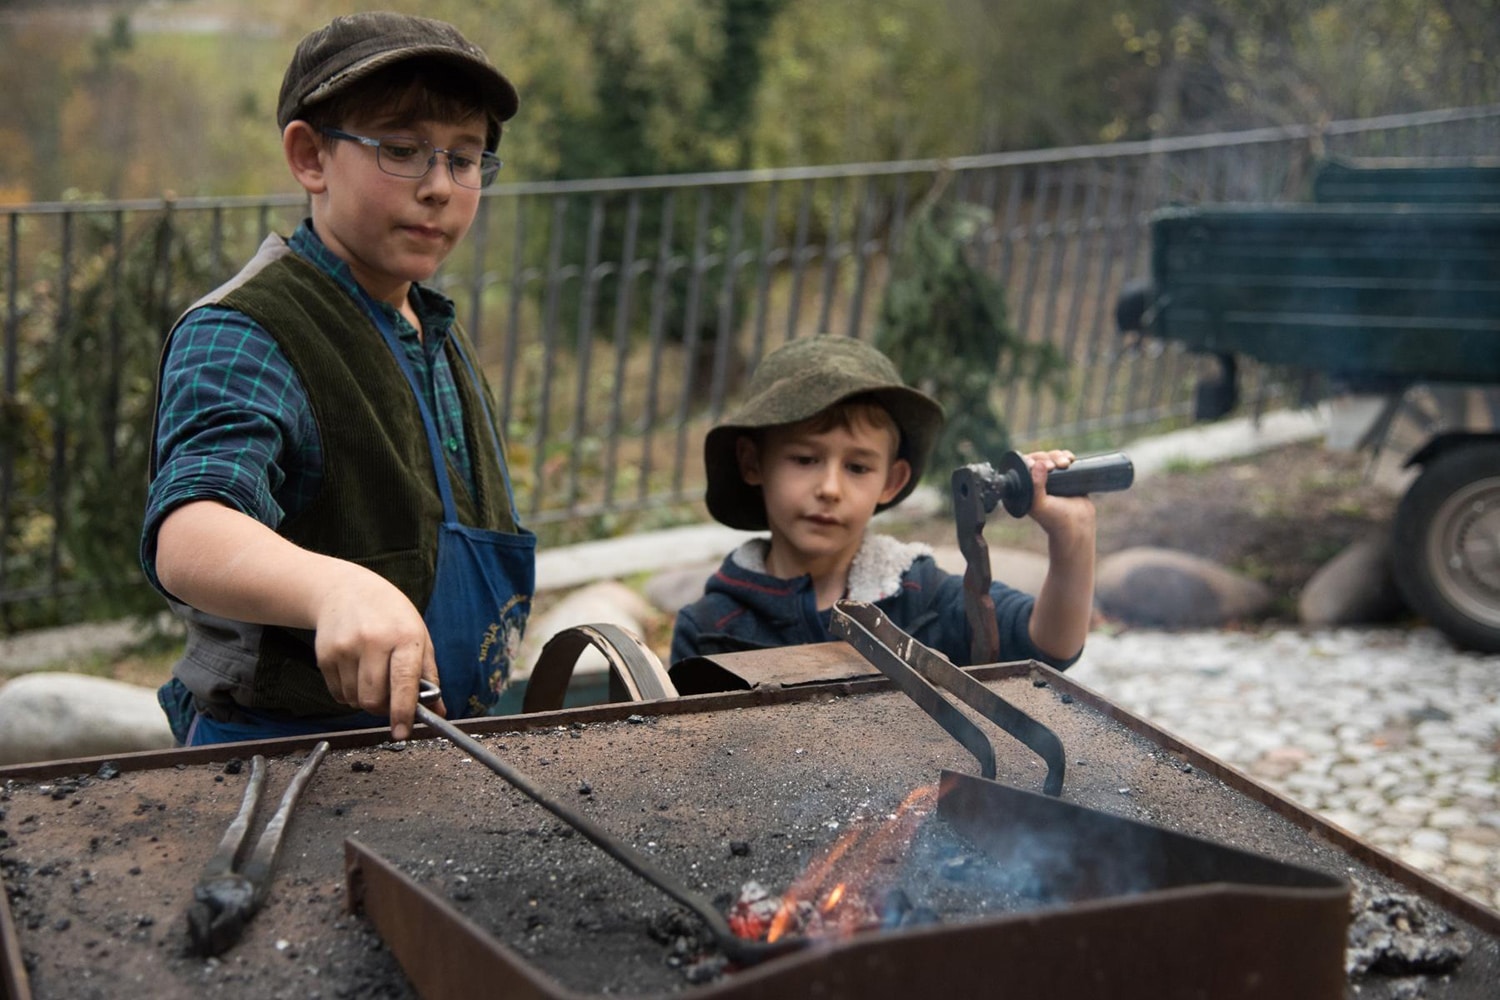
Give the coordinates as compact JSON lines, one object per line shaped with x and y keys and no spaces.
{"x":46,"y":648}
{"x":612,"y":558}
{"x":1227,"y":439}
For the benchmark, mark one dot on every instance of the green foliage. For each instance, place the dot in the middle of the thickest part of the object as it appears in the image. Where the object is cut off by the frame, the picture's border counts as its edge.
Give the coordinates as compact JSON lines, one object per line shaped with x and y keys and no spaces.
{"x":615,"y":89}
{"x":1214,"y":64}
{"x":943,"y":323}
{"x":86,"y":400}
{"x":672,"y":87}
{"x":870,"y":80}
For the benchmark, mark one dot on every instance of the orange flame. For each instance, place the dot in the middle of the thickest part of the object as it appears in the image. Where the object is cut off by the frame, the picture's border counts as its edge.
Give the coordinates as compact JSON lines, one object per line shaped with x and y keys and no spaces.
{"x":834,"y":897}
{"x":783,"y":918}
{"x":856,"y":859}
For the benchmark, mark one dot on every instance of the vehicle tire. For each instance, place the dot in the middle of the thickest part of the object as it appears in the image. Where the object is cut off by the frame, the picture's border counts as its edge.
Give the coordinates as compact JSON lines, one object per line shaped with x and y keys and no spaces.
{"x":1446,"y":552}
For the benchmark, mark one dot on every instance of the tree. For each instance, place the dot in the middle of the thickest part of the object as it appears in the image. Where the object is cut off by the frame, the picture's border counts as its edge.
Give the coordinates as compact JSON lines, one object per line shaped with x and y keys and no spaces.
{"x":943,"y":323}
{"x":673,"y":87}
{"x":1233,"y":63}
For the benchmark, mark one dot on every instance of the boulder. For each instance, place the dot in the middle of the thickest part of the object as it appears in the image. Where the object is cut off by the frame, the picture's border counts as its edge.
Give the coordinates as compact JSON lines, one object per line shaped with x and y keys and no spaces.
{"x":1353,"y":588}
{"x":1164,"y":587}
{"x":674,"y":589}
{"x":51,"y":716}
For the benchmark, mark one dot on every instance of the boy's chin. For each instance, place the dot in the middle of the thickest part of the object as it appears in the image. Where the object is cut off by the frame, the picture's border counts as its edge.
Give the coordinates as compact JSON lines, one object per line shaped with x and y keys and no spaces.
{"x":815,"y":549}
{"x":420,"y":270}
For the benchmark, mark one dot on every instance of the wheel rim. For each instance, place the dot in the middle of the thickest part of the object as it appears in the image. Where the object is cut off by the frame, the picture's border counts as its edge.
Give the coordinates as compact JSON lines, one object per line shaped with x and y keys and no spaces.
{"x":1463,"y":551}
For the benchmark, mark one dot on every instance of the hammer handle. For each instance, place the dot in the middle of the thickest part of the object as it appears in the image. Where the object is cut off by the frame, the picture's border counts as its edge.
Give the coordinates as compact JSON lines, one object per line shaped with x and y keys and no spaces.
{"x":1104,"y":473}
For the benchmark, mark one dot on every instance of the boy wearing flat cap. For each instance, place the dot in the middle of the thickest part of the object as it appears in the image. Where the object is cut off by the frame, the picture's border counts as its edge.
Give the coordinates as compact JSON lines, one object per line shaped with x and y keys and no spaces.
{"x":330,"y":510}
{"x":828,"y":437}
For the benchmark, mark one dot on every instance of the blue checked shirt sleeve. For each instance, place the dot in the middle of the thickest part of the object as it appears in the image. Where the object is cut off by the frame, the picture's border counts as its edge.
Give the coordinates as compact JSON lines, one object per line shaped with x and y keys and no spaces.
{"x":234,"y":426}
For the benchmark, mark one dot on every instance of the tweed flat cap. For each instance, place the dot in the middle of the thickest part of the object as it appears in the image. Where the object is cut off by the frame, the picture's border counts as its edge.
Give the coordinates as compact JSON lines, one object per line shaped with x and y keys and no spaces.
{"x":351,"y":47}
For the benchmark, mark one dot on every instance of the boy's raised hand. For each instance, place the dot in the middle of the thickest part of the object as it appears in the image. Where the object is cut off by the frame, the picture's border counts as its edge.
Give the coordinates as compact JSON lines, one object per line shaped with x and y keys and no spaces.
{"x":1058,"y":516}
{"x":1060,"y":618}
{"x":1064,"y":606}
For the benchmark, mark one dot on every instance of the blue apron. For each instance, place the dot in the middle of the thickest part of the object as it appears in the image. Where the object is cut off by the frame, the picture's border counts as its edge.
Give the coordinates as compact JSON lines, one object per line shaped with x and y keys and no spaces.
{"x":481,"y":596}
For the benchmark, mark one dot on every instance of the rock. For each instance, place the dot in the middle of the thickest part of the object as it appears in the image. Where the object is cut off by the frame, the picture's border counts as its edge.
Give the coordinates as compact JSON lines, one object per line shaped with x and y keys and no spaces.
{"x":50,"y":716}
{"x":1353,"y":588}
{"x":1164,"y":587}
{"x":672,"y":590}
{"x":1016,"y":568}
{"x":608,"y":602}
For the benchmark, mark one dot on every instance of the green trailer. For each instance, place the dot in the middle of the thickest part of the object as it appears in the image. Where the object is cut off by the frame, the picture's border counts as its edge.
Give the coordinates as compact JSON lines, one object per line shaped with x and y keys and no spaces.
{"x":1386,"y":283}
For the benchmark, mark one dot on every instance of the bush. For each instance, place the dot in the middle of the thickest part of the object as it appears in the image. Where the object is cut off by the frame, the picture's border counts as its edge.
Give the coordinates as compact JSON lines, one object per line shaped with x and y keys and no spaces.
{"x":943,"y":323}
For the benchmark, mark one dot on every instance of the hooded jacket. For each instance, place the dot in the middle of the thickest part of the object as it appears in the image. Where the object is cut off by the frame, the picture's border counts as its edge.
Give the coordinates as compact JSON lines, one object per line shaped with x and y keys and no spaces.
{"x":743,"y":608}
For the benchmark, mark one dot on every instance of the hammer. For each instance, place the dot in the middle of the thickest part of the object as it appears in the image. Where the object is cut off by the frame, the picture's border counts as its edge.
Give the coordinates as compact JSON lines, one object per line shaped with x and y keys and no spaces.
{"x":977,"y":489}
{"x":1011,"y":485}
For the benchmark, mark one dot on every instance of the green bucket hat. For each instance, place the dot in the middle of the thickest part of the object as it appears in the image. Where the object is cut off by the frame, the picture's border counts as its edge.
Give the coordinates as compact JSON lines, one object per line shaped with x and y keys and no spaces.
{"x":800,"y":380}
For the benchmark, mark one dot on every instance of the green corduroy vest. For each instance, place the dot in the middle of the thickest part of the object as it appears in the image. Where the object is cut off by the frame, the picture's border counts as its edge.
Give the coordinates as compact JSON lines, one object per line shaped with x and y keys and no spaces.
{"x":379,"y":505}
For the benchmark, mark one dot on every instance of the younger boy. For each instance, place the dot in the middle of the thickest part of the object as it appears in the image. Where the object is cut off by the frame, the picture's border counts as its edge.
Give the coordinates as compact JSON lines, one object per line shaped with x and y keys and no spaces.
{"x":828,"y":437}
{"x":329,"y":509}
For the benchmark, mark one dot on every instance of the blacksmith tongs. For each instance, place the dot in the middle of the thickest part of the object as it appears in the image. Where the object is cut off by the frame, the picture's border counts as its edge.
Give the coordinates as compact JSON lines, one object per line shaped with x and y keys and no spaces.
{"x":229,"y":891}
{"x":924,"y":675}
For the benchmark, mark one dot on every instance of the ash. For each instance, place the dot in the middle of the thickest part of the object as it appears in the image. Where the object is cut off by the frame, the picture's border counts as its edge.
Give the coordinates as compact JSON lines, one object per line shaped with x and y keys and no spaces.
{"x":1399,"y":935}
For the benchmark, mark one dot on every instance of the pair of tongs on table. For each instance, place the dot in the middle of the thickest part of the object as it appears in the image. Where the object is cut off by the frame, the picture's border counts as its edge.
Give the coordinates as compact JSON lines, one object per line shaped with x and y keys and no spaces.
{"x":234,"y":885}
{"x":924,"y":675}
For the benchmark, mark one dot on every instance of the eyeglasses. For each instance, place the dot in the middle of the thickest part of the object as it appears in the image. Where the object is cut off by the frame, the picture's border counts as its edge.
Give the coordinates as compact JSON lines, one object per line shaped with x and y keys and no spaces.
{"x":410,"y":157}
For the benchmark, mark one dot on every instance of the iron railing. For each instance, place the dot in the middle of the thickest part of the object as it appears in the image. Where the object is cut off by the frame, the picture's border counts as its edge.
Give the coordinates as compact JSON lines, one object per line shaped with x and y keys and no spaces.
{"x":617,"y":318}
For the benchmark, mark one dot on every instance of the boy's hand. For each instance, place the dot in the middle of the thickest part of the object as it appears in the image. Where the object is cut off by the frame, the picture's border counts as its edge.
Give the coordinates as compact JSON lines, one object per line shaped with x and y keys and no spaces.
{"x":373,"y":647}
{"x":1054,"y":514}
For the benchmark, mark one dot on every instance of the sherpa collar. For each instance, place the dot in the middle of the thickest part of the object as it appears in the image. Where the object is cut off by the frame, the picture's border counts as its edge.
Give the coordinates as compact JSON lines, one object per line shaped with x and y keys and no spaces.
{"x":874,"y":575}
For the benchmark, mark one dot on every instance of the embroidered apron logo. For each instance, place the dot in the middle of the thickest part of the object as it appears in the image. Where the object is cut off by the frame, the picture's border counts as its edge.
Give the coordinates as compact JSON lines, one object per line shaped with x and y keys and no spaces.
{"x":502,"y":642}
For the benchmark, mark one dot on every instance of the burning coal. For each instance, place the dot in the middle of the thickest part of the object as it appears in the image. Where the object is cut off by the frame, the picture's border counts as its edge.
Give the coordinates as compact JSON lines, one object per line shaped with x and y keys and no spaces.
{"x":845,"y":890}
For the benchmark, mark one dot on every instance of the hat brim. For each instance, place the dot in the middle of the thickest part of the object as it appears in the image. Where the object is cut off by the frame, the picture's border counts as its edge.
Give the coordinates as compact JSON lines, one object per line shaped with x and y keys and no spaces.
{"x":499,"y":95}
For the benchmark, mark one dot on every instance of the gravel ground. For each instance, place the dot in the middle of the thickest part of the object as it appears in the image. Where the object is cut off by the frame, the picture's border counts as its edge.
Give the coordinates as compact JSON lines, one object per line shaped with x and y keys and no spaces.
{"x":1390,"y":733}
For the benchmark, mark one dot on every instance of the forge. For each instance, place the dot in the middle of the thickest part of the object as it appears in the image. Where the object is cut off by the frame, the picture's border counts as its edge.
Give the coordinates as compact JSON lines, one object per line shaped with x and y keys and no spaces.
{"x":1157,"y":871}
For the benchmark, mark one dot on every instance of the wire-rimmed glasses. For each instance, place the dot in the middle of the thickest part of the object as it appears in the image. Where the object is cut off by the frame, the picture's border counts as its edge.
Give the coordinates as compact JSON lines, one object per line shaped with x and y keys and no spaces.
{"x":410,"y":157}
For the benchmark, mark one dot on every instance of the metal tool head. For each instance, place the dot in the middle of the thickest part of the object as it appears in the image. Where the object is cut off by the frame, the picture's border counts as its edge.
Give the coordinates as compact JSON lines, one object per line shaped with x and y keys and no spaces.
{"x":428,"y":692}
{"x":1012,"y":486}
{"x":220,"y":910}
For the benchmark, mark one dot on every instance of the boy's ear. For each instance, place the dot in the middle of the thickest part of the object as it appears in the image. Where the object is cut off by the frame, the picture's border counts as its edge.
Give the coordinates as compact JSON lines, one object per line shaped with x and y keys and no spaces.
{"x":304,"y":155}
{"x":748,"y":456}
{"x":896,"y":479}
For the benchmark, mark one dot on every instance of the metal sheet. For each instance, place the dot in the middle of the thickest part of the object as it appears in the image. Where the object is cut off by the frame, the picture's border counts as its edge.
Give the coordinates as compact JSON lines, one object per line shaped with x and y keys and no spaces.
{"x":793,"y":666}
